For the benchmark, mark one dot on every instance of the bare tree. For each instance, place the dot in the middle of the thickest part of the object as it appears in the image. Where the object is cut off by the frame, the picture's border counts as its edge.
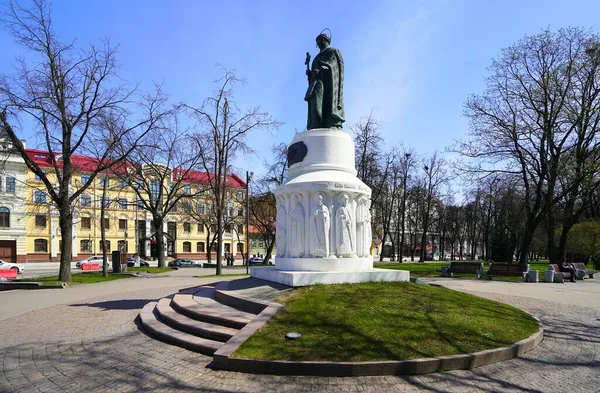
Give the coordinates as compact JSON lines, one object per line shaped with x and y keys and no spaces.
{"x":434,"y":178}
{"x":65,"y":91}
{"x":528,"y":119}
{"x":221,"y":133}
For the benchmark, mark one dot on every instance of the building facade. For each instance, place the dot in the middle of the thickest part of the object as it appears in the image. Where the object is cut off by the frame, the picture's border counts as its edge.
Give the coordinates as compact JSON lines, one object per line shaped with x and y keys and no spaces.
{"x":128,"y":225}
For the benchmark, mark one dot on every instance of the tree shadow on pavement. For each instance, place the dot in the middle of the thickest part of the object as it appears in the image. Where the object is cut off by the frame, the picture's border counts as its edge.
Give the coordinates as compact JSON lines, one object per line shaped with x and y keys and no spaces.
{"x":124,"y":304}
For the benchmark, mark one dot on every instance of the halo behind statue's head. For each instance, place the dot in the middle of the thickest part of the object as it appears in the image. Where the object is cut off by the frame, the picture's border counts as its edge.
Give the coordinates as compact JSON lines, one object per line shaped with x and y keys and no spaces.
{"x":324,"y":36}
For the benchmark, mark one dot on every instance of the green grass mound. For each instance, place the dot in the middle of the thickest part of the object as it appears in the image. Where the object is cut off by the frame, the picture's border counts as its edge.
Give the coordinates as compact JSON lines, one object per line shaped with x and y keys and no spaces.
{"x":385,"y":321}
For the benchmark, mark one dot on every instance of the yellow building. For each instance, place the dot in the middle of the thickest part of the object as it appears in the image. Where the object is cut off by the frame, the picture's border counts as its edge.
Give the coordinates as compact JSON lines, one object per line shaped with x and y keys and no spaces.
{"x":128,"y":224}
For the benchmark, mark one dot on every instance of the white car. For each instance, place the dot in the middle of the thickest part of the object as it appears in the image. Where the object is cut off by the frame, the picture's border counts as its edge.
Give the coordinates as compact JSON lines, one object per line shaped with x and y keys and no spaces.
{"x":96,"y":259}
{"x":7,"y":265}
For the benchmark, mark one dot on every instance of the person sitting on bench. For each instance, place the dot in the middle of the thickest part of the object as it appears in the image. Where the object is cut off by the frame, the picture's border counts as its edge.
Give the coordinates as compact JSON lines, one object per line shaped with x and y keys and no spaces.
{"x":566,"y":268}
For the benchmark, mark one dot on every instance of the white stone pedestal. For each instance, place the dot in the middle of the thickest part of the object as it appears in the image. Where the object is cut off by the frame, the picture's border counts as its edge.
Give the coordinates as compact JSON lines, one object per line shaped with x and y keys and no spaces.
{"x":323,"y":224}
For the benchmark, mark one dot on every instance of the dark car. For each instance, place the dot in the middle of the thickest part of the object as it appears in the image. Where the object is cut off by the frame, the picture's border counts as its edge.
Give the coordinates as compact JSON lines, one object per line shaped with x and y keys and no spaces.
{"x":131,"y":262}
{"x":184,"y":262}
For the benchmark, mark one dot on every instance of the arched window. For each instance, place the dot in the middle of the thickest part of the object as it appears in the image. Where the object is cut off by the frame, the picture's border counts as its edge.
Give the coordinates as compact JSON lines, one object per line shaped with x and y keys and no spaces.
{"x":4,"y":217}
{"x":187,"y":247}
{"x":40,"y":245}
{"x":200,"y":247}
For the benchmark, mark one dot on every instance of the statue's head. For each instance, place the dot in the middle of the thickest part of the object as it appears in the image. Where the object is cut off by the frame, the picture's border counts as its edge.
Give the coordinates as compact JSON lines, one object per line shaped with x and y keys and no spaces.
{"x":324,"y":40}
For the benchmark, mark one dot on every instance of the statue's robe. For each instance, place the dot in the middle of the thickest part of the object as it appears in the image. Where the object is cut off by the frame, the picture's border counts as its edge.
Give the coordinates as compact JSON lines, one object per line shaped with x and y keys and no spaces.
{"x":325,"y":94}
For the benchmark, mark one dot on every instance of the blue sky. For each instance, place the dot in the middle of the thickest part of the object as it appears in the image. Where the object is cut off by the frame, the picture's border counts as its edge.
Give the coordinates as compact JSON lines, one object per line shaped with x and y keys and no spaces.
{"x":413,"y":63}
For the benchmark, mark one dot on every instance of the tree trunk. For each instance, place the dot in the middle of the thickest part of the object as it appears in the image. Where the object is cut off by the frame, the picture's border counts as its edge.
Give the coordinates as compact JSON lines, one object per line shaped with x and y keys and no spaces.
{"x":208,"y":247}
{"x":550,"y":231}
{"x":219,"y":240}
{"x":527,"y":239}
{"x":160,"y":240}
{"x":103,"y":229}
{"x":65,"y":221}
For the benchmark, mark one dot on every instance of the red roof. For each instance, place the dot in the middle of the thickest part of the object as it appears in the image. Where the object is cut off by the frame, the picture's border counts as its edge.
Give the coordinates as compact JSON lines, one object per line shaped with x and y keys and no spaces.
{"x":89,"y":164}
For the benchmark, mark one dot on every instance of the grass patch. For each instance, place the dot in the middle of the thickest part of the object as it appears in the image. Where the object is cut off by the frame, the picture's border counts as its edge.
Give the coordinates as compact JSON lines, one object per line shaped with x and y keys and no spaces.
{"x":81,"y":278}
{"x":384,"y":321}
{"x":153,"y":270}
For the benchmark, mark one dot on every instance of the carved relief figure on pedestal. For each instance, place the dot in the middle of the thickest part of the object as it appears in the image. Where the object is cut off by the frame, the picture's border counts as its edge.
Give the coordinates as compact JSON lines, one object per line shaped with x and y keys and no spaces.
{"x":320,"y":223}
{"x":297,"y":228}
{"x":360,"y":227}
{"x":368,"y":233}
{"x":343,"y":229}
{"x":280,"y":232}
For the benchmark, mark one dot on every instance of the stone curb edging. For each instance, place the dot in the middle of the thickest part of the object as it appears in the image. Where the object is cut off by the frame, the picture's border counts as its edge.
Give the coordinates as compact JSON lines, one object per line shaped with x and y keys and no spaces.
{"x":9,"y":286}
{"x":222,"y":358}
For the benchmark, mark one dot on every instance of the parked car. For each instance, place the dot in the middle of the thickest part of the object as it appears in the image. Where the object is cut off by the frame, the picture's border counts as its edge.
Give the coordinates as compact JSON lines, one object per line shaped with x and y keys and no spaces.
{"x":184,"y":262}
{"x":135,"y":262}
{"x":255,"y":261}
{"x":95,"y":259}
{"x":8,"y":265}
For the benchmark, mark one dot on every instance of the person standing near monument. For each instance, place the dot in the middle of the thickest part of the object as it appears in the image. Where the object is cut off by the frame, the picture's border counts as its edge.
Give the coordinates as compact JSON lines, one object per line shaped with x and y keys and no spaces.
{"x":325,"y":93}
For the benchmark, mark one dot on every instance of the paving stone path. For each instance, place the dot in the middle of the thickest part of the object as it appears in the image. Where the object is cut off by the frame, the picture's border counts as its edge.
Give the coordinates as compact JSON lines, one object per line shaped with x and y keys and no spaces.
{"x":96,"y":345}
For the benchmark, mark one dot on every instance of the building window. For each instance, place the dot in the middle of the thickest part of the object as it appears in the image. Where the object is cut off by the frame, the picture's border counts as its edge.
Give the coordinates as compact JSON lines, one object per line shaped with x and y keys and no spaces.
{"x":228,"y":228}
{"x":4,"y":217}
{"x":40,"y":245}
{"x":84,"y":180}
{"x":1,"y":188}
{"x":240,"y":229}
{"x":40,"y":221}
{"x":200,"y":247}
{"x":154,"y":190}
{"x":253,"y":243}
{"x":213,"y":228}
{"x":122,"y":183}
{"x":106,"y":202}
{"x":86,"y":222}
{"x":102,"y":180}
{"x":85,"y":200}
{"x":261,"y":244}
{"x":11,"y":185}
{"x":107,"y":223}
{"x":39,"y":197}
{"x":240,"y":211}
{"x":122,"y":203}
{"x":122,"y":246}
{"x":201,"y":209}
{"x":107,"y":242}
{"x":213,"y":247}
{"x":122,"y":225}
{"x":139,"y":203}
{"x":187,"y":189}
{"x":200,"y":191}
{"x":200,"y":228}
{"x":38,"y":178}
{"x":187,"y":227}
{"x":172,"y":229}
{"x":85,"y":246}
{"x":187,"y":207}
{"x":187,"y":247}
{"x":240,"y":247}
{"x":240,"y":195}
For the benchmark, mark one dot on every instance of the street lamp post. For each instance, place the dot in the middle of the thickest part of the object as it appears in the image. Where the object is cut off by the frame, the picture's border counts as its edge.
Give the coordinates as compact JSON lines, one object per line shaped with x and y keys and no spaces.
{"x":248,"y":178}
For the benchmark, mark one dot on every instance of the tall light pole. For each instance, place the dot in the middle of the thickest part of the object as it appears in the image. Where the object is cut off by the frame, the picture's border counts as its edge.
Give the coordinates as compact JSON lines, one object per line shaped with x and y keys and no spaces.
{"x":248,"y":179}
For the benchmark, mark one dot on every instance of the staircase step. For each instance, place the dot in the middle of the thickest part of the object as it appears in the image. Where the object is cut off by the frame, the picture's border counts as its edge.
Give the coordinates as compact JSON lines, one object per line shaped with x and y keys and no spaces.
{"x":198,"y":328}
{"x":207,"y":309}
{"x":153,"y":325}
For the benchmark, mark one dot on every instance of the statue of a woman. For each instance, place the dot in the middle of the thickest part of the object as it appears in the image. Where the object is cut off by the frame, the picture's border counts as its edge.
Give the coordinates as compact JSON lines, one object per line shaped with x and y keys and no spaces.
{"x":325,"y":94}
{"x":320,"y":222}
{"x":343,"y":229}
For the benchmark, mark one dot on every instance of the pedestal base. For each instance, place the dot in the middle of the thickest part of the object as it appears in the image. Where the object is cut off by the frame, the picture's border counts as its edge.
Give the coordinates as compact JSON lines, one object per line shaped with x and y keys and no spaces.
{"x":305,"y":278}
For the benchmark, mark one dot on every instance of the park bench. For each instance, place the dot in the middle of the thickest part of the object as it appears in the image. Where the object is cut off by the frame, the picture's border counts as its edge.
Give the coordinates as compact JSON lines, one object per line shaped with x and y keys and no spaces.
{"x":463,"y":267}
{"x":9,"y":273}
{"x":558,"y":275}
{"x":580,"y":267}
{"x":507,"y":269}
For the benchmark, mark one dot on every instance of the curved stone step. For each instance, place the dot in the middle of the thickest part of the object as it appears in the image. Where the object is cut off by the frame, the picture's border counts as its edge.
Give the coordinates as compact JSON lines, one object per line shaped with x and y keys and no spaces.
{"x":207,"y":309}
{"x":166,"y":333}
{"x":184,"y":323}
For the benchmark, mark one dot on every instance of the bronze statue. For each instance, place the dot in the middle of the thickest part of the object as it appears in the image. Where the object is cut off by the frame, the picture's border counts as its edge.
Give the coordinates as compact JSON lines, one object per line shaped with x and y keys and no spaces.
{"x":325,"y":94}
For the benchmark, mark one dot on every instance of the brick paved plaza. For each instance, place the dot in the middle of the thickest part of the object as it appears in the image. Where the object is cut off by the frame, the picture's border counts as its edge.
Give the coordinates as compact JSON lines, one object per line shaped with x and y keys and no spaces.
{"x":91,"y":343}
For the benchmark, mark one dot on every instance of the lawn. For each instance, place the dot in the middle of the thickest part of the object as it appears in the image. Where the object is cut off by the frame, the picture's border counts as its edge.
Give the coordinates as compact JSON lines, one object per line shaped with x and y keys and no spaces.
{"x":81,"y":278}
{"x":384,"y":321}
{"x":153,"y":270}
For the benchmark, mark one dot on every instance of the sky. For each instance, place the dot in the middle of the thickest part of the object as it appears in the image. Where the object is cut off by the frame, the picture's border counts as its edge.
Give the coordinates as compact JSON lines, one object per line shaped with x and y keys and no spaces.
{"x":412,"y":64}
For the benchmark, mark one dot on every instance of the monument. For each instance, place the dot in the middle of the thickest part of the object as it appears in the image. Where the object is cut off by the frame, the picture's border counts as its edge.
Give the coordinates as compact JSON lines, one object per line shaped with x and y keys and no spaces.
{"x":323,"y":230}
